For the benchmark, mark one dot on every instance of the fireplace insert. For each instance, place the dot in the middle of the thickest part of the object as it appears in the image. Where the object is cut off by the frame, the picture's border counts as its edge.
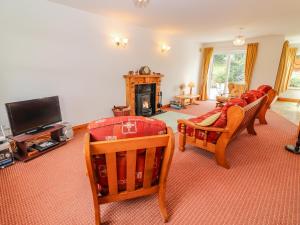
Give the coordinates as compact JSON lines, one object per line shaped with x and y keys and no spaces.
{"x":145,"y":99}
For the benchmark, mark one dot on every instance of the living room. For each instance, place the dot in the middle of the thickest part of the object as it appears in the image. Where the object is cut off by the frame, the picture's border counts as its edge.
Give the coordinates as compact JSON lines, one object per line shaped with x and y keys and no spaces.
{"x":94,"y":54}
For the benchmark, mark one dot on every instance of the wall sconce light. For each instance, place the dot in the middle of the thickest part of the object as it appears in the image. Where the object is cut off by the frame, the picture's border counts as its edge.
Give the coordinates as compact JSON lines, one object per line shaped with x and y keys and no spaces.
{"x":164,"y":48}
{"x":121,"y":42}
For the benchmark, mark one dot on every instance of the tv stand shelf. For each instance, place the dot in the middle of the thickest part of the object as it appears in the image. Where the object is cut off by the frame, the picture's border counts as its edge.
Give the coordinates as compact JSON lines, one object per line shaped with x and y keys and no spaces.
{"x":24,"y":154}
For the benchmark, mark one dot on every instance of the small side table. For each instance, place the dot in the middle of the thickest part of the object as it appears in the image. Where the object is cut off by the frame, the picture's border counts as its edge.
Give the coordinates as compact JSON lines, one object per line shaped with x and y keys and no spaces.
{"x":222,"y":99}
{"x":183,"y":98}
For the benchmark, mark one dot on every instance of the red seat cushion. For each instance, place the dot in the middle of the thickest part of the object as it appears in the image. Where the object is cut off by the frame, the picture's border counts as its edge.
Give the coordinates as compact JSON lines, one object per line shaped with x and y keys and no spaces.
{"x":120,"y":128}
{"x":249,"y":97}
{"x":264,"y":88}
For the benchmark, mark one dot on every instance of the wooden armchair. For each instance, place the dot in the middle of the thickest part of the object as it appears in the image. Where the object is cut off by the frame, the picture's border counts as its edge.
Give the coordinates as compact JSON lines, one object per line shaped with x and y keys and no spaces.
{"x":238,"y":119}
{"x":130,"y":146}
{"x":236,"y":90}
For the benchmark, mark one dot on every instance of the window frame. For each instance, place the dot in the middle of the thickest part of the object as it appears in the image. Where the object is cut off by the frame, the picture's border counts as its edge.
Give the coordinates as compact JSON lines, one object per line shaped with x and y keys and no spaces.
{"x":294,"y":88}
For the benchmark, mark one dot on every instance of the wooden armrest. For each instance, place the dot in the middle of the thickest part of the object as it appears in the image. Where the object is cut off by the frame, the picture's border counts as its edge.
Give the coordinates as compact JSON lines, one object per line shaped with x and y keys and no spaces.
{"x":194,"y":125}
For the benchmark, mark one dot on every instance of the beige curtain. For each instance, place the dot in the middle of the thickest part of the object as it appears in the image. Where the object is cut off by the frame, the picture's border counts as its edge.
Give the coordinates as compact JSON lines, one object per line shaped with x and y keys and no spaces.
{"x":285,"y":68}
{"x":206,"y":57}
{"x":252,"y":49}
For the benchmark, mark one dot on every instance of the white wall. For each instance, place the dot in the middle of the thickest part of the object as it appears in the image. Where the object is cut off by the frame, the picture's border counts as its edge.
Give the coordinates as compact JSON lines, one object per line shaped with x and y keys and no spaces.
{"x":50,"y":49}
{"x":269,"y":52}
{"x":268,"y":57}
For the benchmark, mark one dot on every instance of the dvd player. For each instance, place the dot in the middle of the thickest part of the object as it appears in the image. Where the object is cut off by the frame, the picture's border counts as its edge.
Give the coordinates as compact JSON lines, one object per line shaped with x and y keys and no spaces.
{"x":45,"y":145}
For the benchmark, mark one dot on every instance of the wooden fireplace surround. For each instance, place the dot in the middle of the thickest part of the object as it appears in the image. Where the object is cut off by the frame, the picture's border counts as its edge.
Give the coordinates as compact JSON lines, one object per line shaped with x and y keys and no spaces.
{"x":133,"y":80}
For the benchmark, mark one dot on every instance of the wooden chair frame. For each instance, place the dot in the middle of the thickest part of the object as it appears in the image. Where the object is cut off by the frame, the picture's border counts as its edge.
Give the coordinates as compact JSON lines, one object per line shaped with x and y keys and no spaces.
{"x":262,"y":114}
{"x":238,"y":119}
{"x":130,"y":145}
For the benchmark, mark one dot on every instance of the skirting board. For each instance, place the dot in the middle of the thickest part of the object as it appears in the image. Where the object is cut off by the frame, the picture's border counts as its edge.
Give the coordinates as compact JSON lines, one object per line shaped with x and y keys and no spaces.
{"x":80,"y":127}
{"x":288,"y":99}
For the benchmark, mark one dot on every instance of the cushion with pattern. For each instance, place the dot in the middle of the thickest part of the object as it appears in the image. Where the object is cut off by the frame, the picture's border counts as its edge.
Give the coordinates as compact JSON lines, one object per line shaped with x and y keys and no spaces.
{"x":264,"y":88}
{"x":257,"y":93}
{"x":249,"y":97}
{"x":234,"y":101}
{"x":126,"y":127}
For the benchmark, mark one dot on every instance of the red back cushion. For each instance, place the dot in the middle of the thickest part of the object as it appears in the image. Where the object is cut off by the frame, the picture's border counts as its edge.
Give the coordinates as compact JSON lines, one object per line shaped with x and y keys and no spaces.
{"x":249,"y":97}
{"x":120,"y":128}
{"x":264,"y":88}
{"x":257,"y":93}
{"x":125,"y":127}
{"x":234,"y":101}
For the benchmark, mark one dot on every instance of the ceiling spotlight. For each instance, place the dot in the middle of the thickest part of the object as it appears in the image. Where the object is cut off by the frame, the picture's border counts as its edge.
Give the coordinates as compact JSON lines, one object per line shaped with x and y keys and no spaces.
{"x":141,"y":3}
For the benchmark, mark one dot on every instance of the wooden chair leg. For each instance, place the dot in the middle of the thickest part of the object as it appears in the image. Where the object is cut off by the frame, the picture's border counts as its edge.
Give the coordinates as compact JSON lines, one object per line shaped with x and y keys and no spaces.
{"x":250,"y":127}
{"x":262,"y":118}
{"x":262,"y":115}
{"x":97,"y":214}
{"x":162,"y":202}
{"x":182,"y":142}
{"x":221,"y":159}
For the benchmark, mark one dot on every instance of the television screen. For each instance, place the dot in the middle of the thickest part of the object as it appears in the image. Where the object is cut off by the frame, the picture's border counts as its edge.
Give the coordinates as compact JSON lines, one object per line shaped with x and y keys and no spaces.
{"x":29,"y":115}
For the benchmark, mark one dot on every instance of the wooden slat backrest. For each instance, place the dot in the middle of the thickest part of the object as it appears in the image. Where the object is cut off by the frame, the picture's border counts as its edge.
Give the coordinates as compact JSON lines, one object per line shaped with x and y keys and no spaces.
{"x":250,"y":113}
{"x":111,"y":168}
{"x":149,"y":163}
{"x":131,"y":167}
{"x":130,"y":146}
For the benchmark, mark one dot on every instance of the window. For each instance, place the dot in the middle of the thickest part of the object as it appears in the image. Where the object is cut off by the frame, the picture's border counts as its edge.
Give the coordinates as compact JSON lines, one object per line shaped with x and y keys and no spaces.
{"x":295,"y":78}
{"x":226,"y":67}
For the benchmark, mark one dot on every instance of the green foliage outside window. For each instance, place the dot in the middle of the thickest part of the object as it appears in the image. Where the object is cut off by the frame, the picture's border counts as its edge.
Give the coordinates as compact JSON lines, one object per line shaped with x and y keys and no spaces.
{"x":236,"y":68}
{"x":295,"y":80}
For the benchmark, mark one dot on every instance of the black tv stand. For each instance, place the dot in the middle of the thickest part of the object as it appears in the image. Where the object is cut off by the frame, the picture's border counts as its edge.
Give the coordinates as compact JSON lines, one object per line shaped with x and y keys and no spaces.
{"x":39,"y":129}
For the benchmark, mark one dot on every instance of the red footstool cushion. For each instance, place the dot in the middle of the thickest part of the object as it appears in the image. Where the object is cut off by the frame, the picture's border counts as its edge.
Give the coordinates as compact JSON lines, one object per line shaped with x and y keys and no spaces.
{"x":120,"y":128}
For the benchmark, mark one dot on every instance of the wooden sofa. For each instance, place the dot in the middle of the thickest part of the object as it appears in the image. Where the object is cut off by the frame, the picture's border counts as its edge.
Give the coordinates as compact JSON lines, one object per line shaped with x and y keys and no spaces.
{"x":238,"y":119}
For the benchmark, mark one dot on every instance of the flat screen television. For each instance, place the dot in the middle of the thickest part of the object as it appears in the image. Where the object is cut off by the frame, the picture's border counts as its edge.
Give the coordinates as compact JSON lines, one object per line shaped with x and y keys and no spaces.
{"x":33,"y":115}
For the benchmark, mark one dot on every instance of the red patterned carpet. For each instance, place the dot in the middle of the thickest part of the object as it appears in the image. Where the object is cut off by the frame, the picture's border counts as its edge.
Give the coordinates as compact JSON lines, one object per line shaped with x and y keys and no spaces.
{"x":262,"y":186}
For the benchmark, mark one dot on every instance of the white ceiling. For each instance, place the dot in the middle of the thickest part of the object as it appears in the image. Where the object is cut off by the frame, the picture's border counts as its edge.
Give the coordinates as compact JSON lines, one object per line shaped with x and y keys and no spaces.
{"x":204,"y":20}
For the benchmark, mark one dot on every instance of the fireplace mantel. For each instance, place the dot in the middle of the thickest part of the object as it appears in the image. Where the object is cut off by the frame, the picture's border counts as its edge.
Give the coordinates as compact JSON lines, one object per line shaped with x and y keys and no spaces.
{"x":133,"y":80}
